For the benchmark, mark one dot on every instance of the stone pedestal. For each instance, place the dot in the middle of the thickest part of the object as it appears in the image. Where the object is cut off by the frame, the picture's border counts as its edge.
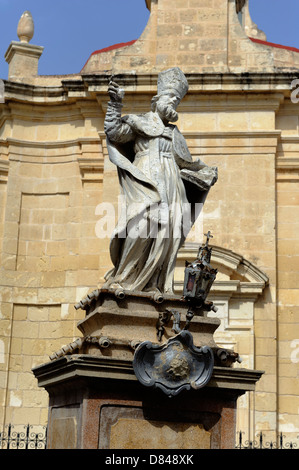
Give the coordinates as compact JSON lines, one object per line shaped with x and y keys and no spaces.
{"x":116,"y":323}
{"x":22,"y":59}
{"x":96,"y":401}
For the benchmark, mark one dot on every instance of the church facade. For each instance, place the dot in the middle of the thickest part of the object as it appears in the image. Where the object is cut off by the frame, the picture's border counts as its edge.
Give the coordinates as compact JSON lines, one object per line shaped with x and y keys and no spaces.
{"x":59,"y":196}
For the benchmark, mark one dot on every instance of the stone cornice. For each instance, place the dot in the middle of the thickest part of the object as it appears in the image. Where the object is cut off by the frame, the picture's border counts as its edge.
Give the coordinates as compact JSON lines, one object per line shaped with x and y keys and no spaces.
{"x":4,"y":167}
{"x":32,"y":93}
{"x":250,"y":82}
{"x":90,"y":367}
{"x":49,"y":144}
{"x":22,"y":48}
{"x":287,"y":162}
{"x":90,"y":84}
{"x":87,"y":151}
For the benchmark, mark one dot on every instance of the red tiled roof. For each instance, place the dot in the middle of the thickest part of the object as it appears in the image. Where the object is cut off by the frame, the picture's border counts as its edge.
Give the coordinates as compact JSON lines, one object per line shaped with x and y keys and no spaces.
{"x":111,"y":48}
{"x":115,"y":46}
{"x":272,"y":44}
{"x":130,"y":43}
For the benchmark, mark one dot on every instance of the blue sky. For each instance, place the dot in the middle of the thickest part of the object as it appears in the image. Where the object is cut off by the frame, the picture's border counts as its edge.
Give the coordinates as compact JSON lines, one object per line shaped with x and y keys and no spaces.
{"x":70,"y":30}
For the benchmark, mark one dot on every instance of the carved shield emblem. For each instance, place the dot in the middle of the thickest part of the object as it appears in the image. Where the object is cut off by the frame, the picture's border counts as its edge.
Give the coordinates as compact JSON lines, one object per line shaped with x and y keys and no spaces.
{"x":175,"y":366}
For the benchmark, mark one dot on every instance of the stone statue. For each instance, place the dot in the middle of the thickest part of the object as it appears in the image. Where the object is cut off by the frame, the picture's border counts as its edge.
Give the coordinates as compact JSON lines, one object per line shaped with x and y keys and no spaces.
{"x":160,"y":183}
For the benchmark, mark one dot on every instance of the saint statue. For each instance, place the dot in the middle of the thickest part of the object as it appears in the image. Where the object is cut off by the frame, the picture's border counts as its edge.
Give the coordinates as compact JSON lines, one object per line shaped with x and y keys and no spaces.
{"x":160,"y":184}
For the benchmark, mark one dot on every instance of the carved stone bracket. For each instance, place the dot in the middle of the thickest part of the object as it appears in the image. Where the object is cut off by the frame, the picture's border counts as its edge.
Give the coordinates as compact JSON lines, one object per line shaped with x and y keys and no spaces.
{"x":81,"y":345}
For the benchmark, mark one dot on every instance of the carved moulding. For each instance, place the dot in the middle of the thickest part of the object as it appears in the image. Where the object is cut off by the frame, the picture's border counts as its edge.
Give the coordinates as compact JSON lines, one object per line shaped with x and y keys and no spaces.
{"x":174,"y":366}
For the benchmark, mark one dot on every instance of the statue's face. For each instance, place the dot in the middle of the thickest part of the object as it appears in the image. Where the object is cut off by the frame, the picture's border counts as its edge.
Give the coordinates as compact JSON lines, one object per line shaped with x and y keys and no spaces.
{"x":166,"y":107}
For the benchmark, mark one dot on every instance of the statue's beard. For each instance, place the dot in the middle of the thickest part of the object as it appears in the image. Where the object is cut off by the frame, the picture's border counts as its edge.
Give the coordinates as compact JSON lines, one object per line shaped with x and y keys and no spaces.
{"x":167,"y":112}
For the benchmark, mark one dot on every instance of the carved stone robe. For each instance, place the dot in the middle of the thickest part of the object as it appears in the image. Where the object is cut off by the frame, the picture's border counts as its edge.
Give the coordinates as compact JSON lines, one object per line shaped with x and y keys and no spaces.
{"x":151,"y":159}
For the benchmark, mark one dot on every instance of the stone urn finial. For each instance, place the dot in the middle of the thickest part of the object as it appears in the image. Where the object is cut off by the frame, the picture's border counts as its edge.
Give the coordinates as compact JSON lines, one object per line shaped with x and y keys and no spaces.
{"x":25,"y":29}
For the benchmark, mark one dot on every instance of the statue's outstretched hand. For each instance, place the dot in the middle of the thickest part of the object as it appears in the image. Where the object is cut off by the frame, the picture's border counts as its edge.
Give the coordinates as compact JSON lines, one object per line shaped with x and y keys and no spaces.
{"x":115,"y":92}
{"x":195,"y":165}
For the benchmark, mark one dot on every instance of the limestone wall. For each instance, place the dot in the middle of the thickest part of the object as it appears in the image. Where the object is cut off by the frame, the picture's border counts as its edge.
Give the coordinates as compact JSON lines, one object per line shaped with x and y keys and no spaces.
{"x":200,"y":36}
{"x":50,"y":253}
{"x":287,"y":181}
{"x":55,"y":172}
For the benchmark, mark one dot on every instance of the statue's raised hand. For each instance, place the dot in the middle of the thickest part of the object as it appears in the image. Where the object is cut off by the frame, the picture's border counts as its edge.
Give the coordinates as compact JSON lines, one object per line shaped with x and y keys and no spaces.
{"x":115,"y":92}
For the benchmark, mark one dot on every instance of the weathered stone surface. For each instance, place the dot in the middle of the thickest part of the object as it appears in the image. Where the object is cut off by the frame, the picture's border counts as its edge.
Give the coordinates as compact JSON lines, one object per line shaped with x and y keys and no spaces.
{"x":140,"y":434}
{"x":25,"y":28}
{"x":238,"y":116}
{"x":160,"y":186}
{"x":188,"y":23}
{"x":113,"y":398}
{"x":129,"y":321}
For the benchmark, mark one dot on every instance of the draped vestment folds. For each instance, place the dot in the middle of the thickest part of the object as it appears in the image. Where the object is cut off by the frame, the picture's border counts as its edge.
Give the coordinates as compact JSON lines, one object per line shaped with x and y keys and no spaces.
{"x":151,"y":158}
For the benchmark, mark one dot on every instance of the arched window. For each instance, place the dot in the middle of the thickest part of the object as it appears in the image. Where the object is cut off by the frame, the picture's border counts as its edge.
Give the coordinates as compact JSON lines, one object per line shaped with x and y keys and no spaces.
{"x":239,"y":7}
{"x":250,"y":28}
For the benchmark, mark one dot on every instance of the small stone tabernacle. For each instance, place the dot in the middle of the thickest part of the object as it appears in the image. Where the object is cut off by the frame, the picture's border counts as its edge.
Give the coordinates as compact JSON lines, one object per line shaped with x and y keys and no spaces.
{"x":141,"y":343}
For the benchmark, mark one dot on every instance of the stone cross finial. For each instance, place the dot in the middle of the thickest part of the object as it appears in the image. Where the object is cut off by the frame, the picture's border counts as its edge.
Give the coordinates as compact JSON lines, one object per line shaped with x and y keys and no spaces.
{"x":25,"y":28}
{"x":208,"y":235}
